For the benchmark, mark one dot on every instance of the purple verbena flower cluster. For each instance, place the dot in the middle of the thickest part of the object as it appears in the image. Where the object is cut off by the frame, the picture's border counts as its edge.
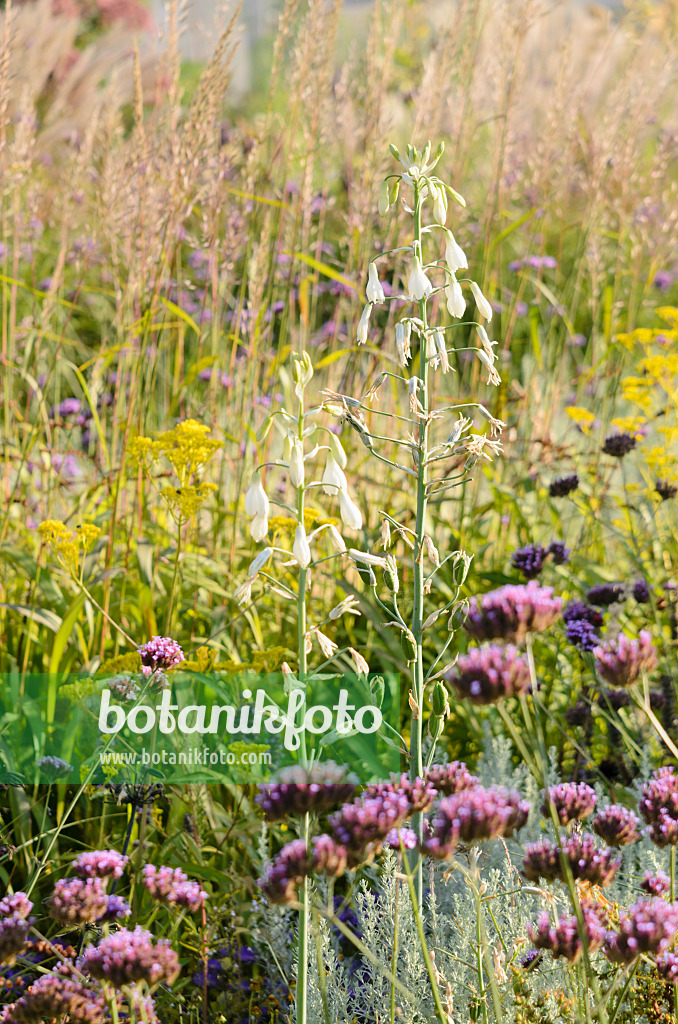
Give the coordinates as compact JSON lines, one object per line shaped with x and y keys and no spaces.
{"x":100,"y":864}
{"x":572,"y":801}
{"x":420,"y":793}
{"x":659,"y":807}
{"x":172,"y":886}
{"x":529,"y":560}
{"x":562,"y":939}
{"x":656,"y":885}
{"x":473,"y":815}
{"x":54,"y":996}
{"x":622,"y":661}
{"x":582,"y":623}
{"x":298,"y":790}
{"x":486,"y":674}
{"x":641,"y":591}
{"x":13,"y":936}
{"x":451,"y":778}
{"x":511,"y":612}
{"x":602,"y":595}
{"x":665,"y":489}
{"x":362,"y":826}
{"x":649,"y":926}
{"x":160,"y":652}
{"x":667,"y":966}
{"x":294,"y":863}
{"x":563,"y":485}
{"x":587,"y":862}
{"x":77,"y":901}
{"x":616,"y":825}
{"x":407,"y":835}
{"x":619,"y":445}
{"x":125,"y":957}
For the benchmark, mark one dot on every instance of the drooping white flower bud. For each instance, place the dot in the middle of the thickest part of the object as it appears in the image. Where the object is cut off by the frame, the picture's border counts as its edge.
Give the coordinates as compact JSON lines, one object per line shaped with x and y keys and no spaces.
{"x":439,"y":204}
{"x":456,"y":303}
{"x":361,"y":666}
{"x":455,"y":257}
{"x":351,"y":515}
{"x":243,"y":593}
{"x":484,"y":308}
{"x":336,"y":539}
{"x":418,"y":285}
{"x":384,"y":203}
{"x":363,"y":323}
{"x":366,"y":557}
{"x":442,"y":351}
{"x":403,"y":331}
{"x":374,"y":290}
{"x":300,"y":548}
{"x":346,"y":607}
{"x":493,"y":376}
{"x":259,"y":528}
{"x":431,"y":351}
{"x":256,"y":501}
{"x":334,"y":479}
{"x":297,"y":463}
{"x":260,"y":561}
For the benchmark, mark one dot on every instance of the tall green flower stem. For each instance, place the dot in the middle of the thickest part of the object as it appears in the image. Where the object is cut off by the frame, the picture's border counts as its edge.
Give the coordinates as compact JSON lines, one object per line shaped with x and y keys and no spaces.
{"x":304,"y":825}
{"x":418,"y":684}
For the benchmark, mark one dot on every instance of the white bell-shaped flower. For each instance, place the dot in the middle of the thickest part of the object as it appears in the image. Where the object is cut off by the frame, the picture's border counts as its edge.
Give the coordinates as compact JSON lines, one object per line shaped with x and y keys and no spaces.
{"x":439,"y":205}
{"x":334,"y":479}
{"x":260,"y":561}
{"x":455,"y":257}
{"x":456,"y":303}
{"x":300,"y":548}
{"x":351,"y":515}
{"x":442,"y":351}
{"x":374,"y":290}
{"x":297,"y":463}
{"x":484,"y":308}
{"x":336,"y":539}
{"x":256,"y":500}
{"x":363,"y":323}
{"x":418,"y":285}
{"x":403,"y":331}
{"x":259,"y":528}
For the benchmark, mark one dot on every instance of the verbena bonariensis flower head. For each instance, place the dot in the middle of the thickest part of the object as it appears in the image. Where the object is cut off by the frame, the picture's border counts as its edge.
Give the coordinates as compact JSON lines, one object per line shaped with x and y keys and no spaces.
{"x":616,"y":825}
{"x":563,"y":485}
{"x":298,"y":790}
{"x":665,"y":489}
{"x":656,"y":884}
{"x":563,"y":939}
{"x":659,"y":807}
{"x":473,"y":815}
{"x":649,"y":926}
{"x":287,"y":871}
{"x":582,"y":634}
{"x":573,"y":801}
{"x":78,"y":901}
{"x":575,"y":610}
{"x":604,"y":594}
{"x":160,"y":652}
{"x":487,"y":674}
{"x":622,"y":661}
{"x":329,"y":857}
{"x":587,"y":862}
{"x":558,"y":552}
{"x":125,"y":957}
{"x":407,"y":835}
{"x":363,"y":825}
{"x":667,"y":966}
{"x":420,"y":793}
{"x":641,"y":591}
{"x":511,"y":612}
{"x":57,"y":995}
{"x":13,"y":937}
{"x":100,"y":864}
{"x":54,"y":766}
{"x":117,"y":908}
{"x":529,"y":560}
{"x":451,"y":778}
{"x":172,"y":886}
{"x":18,"y":903}
{"x":619,"y":445}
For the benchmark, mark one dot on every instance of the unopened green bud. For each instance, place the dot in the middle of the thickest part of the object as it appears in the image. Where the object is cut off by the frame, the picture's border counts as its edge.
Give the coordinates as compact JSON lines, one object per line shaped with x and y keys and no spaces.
{"x":408,"y":645}
{"x":391,"y":574}
{"x":461,"y":563}
{"x":384,"y":203}
{"x":440,"y":705}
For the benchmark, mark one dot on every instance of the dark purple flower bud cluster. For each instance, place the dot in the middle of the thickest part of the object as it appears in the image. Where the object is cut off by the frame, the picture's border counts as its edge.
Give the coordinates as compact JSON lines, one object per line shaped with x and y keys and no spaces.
{"x":619,"y":445}
{"x":616,"y":825}
{"x":641,"y":591}
{"x":563,"y":485}
{"x":298,"y":790}
{"x":420,"y":793}
{"x":649,"y":926}
{"x":665,"y":489}
{"x":125,"y":957}
{"x":602,"y":595}
{"x":473,"y":815}
{"x":158,"y":653}
{"x":172,"y":886}
{"x":587,"y":862}
{"x":78,"y":901}
{"x":529,"y":560}
{"x":294,"y":863}
{"x":511,"y":612}
{"x":582,"y":623}
{"x":558,"y":552}
{"x":100,"y":864}
{"x":486,"y":674}
{"x":55,"y":996}
{"x":622,"y":661}
{"x":362,"y":826}
{"x":659,"y":807}
{"x":451,"y":778}
{"x":572,"y":801}
{"x":656,"y":885}
{"x":563,"y":938}
{"x":54,"y":767}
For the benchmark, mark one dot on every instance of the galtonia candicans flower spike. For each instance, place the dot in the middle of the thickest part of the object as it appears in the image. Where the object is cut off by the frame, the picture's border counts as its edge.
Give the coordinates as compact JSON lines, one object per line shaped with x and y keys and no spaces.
{"x":363,"y":324}
{"x":374,"y":290}
{"x":456,"y":303}
{"x":300,"y":548}
{"x":418,"y":285}
{"x":484,"y":308}
{"x":455,"y":257}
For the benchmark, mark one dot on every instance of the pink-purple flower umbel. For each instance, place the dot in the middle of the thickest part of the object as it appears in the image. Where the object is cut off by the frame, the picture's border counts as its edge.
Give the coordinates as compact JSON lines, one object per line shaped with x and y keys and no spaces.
{"x":473,"y":815}
{"x":587,"y":862}
{"x":572,"y":801}
{"x":511,"y":612}
{"x":55,"y":996}
{"x":363,"y":825}
{"x":78,"y":901}
{"x":656,"y":885}
{"x":563,"y":938}
{"x":298,"y":790}
{"x":160,"y":653}
{"x":649,"y":926}
{"x":100,"y":864}
{"x":622,"y":661}
{"x":659,"y":807}
{"x":487,"y":674}
{"x":294,"y":863}
{"x":451,"y":778}
{"x":616,"y":825}
{"x":173,"y":887}
{"x":126,"y":957}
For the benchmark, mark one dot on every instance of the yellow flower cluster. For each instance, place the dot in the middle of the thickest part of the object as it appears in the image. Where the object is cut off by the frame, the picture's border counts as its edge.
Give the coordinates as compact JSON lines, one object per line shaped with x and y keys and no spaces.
{"x":582,"y":417}
{"x":68,"y":545}
{"x":185,"y":501}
